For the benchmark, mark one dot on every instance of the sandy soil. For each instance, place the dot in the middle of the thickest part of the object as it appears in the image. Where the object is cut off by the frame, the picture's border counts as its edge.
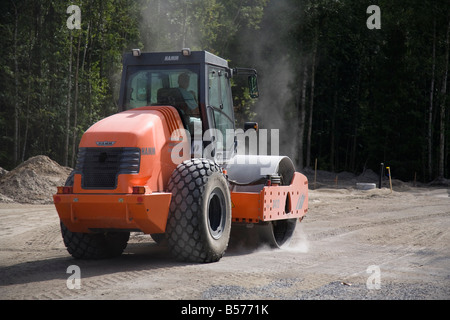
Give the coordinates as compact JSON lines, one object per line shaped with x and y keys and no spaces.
{"x":351,"y":243}
{"x":32,"y":182}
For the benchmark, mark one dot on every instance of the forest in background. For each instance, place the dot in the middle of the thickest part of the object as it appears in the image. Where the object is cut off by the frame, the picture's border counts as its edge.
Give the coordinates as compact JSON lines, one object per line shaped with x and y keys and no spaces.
{"x":347,"y":95}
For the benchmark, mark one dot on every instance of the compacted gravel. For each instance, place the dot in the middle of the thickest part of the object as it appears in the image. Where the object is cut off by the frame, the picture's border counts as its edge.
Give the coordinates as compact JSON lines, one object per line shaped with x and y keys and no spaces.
{"x":353,"y":244}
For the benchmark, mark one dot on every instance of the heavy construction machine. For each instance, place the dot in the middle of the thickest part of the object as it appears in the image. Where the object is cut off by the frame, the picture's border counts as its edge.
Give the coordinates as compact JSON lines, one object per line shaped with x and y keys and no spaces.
{"x":167,"y":165}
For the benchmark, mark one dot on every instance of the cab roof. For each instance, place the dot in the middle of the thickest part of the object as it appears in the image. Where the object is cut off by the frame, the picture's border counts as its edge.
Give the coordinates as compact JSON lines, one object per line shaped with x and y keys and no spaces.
{"x":174,"y":57}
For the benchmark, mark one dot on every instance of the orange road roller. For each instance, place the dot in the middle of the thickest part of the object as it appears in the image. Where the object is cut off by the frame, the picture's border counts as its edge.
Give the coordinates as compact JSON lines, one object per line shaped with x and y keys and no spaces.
{"x":169,"y":164}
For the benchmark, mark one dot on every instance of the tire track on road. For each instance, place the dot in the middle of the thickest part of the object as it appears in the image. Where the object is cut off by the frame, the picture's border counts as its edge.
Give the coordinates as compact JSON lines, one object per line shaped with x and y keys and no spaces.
{"x":332,"y":232}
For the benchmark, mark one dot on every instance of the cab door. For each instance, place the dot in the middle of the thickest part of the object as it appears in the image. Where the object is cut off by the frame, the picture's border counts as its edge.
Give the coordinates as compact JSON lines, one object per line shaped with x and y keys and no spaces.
{"x":220,"y":113}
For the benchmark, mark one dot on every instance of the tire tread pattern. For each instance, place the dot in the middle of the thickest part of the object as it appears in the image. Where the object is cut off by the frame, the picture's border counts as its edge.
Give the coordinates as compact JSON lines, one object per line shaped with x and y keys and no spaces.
{"x":187,"y":185}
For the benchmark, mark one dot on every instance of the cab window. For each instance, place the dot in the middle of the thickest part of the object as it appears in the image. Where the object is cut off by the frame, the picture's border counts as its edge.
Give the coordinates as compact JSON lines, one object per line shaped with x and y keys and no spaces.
{"x":220,"y":104}
{"x":176,"y":86}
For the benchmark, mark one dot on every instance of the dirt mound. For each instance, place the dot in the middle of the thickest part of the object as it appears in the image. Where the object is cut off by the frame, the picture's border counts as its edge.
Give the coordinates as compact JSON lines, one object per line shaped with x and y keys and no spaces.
{"x":368,"y":176}
{"x":440,"y":182}
{"x":346,"y":180}
{"x":3,"y":172}
{"x":33,"y":182}
{"x":342,"y":179}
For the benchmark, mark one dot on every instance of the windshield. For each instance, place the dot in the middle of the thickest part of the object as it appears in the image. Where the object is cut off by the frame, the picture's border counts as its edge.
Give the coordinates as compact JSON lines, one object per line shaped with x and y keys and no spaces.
{"x":169,"y":85}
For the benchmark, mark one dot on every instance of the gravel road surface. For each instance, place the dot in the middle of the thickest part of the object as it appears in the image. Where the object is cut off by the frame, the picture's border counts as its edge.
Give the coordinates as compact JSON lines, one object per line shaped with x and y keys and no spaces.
{"x":353,"y":244}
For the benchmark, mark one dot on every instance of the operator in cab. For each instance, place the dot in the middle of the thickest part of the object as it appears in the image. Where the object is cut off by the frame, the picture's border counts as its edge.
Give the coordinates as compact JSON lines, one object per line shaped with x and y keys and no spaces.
{"x":188,"y":96}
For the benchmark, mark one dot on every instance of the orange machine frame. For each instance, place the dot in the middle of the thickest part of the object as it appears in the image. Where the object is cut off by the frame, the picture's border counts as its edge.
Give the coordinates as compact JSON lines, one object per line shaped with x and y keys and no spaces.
{"x":82,"y":210}
{"x":272,"y":202}
{"x":147,"y":210}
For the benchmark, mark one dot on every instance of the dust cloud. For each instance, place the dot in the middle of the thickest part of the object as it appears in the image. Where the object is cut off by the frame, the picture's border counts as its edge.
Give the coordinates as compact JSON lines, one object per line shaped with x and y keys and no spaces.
{"x":277,"y":74}
{"x":245,"y":239}
{"x":299,"y":242}
{"x":169,"y":26}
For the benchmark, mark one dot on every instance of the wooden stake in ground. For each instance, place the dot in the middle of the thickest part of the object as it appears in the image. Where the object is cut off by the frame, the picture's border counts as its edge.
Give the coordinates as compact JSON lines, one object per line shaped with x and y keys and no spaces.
{"x":390,"y":180}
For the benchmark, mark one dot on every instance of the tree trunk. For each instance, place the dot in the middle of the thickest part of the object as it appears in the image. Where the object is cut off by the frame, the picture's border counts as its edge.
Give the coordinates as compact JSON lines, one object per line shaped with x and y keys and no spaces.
{"x":333,"y":121}
{"x":16,"y":83}
{"x":75,"y":105}
{"x":356,"y":111}
{"x":430,"y":108}
{"x":69,"y":90}
{"x":333,"y":130}
{"x":30,"y":76}
{"x":311,"y":103}
{"x":184,"y":32}
{"x":443,"y":101}
{"x":301,"y":118}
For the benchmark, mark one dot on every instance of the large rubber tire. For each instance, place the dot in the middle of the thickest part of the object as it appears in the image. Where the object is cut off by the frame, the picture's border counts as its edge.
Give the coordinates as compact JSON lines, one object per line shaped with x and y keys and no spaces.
{"x":93,"y":245}
{"x":199,"y":222}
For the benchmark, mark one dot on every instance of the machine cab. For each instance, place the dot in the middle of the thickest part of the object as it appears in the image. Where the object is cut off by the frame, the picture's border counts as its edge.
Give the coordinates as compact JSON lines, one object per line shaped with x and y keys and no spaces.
{"x":196,"y":83}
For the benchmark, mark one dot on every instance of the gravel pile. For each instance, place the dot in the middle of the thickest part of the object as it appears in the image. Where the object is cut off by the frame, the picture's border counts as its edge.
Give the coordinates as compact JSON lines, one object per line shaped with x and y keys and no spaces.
{"x":33,"y":182}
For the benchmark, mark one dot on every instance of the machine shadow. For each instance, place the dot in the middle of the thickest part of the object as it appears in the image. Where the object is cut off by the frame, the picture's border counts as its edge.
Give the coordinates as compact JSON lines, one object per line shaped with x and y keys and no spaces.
{"x":136,"y":258}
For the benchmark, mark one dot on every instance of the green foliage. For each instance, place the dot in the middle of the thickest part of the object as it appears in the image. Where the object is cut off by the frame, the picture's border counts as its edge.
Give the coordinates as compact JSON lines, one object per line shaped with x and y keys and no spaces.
{"x":41,"y":46}
{"x":372,"y":87}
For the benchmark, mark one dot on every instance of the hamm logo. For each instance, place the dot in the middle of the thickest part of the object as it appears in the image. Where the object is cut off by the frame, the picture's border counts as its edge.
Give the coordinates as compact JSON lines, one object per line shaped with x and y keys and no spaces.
{"x":148,"y":151}
{"x":105,"y":143}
